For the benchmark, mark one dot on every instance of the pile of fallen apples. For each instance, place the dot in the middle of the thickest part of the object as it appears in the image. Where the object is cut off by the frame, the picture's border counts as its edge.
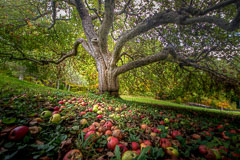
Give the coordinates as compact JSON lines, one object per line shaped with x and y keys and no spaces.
{"x":104,"y":122}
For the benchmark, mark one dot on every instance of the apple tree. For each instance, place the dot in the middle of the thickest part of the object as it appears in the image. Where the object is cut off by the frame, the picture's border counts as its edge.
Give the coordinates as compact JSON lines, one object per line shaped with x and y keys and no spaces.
{"x":191,"y":33}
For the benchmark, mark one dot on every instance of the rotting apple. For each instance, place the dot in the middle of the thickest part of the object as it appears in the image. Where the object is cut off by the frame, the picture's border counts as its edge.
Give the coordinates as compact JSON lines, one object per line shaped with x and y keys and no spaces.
{"x":73,"y":154}
{"x":129,"y":155}
{"x":18,"y":133}
{"x":172,"y":152}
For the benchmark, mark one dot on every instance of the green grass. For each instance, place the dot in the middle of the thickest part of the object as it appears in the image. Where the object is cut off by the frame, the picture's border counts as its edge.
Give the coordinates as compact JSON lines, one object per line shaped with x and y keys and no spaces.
{"x":12,"y":84}
{"x":167,"y":104}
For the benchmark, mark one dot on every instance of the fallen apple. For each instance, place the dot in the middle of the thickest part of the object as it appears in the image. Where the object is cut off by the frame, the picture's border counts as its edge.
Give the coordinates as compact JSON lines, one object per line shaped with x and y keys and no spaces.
{"x":112,"y":142}
{"x":56,"y":118}
{"x":73,"y":154}
{"x":46,"y":114}
{"x":203,"y":149}
{"x":18,"y":133}
{"x":90,"y":133}
{"x":164,"y":143}
{"x":83,"y":121}
{"x":175,"y":134}
{"x":129,"y":155}
{"x":135,"y":146}
{"x":172,"y":152}
{"x":166,"y":120}
{"x":99,"y":116}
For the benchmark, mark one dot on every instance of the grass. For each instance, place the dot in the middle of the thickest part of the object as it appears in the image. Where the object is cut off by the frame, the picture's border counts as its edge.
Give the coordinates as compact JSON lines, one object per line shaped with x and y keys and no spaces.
{"x":20,"y":87}
{"x":8,"y":83}
{"x":167,"y":104}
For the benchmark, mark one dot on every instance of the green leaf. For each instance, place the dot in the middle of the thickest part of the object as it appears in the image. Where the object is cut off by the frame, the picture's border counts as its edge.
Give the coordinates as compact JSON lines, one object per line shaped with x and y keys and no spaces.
{"x":117,"y":152}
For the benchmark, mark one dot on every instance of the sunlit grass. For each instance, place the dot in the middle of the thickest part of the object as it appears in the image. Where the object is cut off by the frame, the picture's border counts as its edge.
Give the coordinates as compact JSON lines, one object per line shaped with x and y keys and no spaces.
{"x":151,"y":100}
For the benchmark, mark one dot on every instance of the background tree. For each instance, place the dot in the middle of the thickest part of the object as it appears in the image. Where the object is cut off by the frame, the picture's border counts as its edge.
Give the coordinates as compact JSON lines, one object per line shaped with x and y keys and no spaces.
{"x":192,"y":33}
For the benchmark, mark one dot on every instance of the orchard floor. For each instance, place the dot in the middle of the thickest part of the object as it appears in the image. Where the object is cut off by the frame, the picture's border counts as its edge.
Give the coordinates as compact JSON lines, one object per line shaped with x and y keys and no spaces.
{"x":100,"y":127}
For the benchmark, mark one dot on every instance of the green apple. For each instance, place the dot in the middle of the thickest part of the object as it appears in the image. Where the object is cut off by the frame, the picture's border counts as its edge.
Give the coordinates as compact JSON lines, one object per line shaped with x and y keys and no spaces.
{"x":129,"y":155}
{"x":56,"y":118}
{"x":172,"y":151}
{"x":46,"y":114}
{"x":116,"y":117}
{"x":99,"y":112}
{"x":166,"y":120}
{"x":166,"y":128}
{"x":111,"y":115}
{"x":117,"y":109}
{"x":95,"y":106}
{"x":95,"y":109}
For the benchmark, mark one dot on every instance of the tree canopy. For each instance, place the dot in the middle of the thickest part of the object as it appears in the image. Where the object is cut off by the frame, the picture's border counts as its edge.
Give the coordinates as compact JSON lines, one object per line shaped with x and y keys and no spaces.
{"x":191,"y":33}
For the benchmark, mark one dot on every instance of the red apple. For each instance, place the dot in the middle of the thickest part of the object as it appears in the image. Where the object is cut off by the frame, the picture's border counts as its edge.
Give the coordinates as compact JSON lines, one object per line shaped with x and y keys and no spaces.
{"x":85,"y":130}
{"x":220,"y":126}
{"x":108,"y":125}
{"x":112,"y":142}
{"x":89,"y":133}
{"x":18,"y":133}
{"x":60,"y":102}
{"x":99,"y":116}
{"x":164,"y":143}
{"x":162,"y":122}
{"x":56,"y":108}
{"x":176,"y":133}
{"x":82,"y":113}
{"x":55,"y":112}
{"x":147,"y":142}
{"x":108,"y":132}
{"x":203,"y":149}
{"x":138,"y":152}
{"x":73,"y":98}
{"x":143,"y":126}
{"x":135,"y":146}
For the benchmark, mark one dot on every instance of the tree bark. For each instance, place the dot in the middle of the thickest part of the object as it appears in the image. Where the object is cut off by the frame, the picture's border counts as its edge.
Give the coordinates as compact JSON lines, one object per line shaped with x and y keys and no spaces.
{"x":108,"y":80}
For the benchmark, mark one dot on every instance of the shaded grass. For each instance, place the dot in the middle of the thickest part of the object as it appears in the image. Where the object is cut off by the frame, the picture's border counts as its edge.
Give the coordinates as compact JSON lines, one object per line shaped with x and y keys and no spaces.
{"x":15,"y":86}
{"x":167,"y":105}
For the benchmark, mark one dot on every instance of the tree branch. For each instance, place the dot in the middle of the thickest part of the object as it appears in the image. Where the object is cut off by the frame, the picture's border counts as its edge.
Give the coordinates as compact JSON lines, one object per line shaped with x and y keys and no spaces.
{"x":106,"y":25}
{"x":124,"y":8}
{"x":73,"y":52}
{"x":217,"y":6}
{"x":145,"y":61}
{"x":53,"y":3}
{"x":168,"y":18}
{"x":86,"y":20}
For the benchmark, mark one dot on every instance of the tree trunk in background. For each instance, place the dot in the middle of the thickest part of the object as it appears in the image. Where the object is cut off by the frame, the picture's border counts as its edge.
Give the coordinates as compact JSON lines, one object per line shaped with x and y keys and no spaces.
{"x":21,"y":76}
{"x":58,"y":84}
